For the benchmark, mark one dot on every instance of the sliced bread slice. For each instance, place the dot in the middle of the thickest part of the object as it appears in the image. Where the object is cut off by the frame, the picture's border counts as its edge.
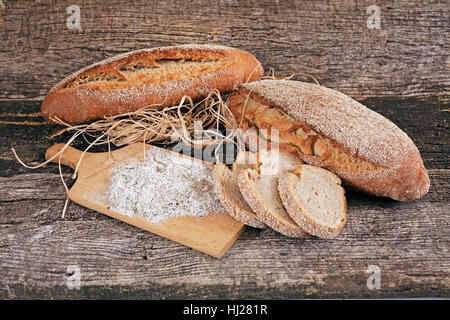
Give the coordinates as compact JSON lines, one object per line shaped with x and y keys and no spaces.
{"x":227,"y":190}
{"x":259,"y":188}
{"x":315,"y":200}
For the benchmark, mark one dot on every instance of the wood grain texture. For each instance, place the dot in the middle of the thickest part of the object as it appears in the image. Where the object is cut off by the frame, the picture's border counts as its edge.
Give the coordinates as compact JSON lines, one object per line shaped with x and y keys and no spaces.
{"x":408,"y":241}
{"x":400,"y":71}
{"x":213,"y":233}
{"x":408,"y":56}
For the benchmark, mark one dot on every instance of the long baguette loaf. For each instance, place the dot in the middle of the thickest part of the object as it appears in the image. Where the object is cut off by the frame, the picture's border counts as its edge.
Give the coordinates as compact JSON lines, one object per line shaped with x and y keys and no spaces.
{"x":328,"y":129}
{"x":157,"y":78}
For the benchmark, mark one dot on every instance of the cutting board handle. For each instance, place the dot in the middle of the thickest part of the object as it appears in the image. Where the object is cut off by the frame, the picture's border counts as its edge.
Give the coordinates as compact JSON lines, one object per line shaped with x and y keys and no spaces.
{"x":69,"y":157}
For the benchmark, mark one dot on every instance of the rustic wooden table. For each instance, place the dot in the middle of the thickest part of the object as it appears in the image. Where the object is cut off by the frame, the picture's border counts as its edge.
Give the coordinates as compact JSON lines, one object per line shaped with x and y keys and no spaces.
{"x":400,"y":70}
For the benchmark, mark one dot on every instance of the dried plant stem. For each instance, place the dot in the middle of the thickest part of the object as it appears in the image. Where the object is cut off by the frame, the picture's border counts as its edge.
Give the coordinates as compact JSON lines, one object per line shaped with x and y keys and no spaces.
{"x":271,"y":76}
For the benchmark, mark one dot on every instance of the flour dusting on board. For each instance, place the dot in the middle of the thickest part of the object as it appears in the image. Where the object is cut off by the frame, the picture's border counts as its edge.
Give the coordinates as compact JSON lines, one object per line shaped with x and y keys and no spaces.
{"x":163,"y":186}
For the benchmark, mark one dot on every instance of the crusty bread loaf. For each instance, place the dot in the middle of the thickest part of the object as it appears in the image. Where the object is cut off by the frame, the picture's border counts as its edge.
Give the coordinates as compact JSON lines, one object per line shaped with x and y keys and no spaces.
{"x":227,"y":190}
{"x":156,"y":78}
{"x":326,"y":128}
{"x":259,"y":188}
{"x":315,"y":200}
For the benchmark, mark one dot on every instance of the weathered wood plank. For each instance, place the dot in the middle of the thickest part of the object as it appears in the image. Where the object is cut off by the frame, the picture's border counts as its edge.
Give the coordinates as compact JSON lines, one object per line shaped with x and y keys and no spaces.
{"x":48,"y":186}
{"x":329,"y":39}
{"x":409,"y":242}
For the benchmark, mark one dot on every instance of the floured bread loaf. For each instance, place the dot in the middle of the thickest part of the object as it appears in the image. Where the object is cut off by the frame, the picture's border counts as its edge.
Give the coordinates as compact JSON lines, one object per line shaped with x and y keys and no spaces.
{"x":328,"y":129}
{"x":155,"y":78}
{"x":315,"y":200}
{"x":259,"y":187}
{"x":227,"y":190}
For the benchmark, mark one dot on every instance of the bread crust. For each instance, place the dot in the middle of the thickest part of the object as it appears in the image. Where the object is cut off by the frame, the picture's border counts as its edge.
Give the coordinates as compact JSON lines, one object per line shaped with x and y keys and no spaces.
{"x":263,"y":213}
{"x":298,"y":213}
{"x":233,"y":208}
{"x":394,"y":167}
{"x":203,"y":69}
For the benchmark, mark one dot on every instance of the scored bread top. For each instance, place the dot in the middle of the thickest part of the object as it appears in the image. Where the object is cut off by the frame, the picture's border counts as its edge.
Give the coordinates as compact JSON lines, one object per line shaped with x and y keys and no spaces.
{"x":154,"y":78}
{"x":122,"y":57}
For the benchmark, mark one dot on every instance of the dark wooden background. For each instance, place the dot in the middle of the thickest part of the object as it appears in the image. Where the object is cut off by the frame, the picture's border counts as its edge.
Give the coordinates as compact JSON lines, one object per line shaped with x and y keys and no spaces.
{"x":400,"y":70}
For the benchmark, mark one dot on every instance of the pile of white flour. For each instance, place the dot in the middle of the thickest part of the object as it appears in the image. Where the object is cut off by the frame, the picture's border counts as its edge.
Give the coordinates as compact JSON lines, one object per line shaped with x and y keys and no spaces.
{"x":163,"y":186}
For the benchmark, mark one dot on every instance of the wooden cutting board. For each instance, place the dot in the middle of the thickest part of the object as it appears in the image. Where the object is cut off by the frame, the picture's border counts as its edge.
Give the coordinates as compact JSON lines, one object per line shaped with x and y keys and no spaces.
{"x":212,"y":234}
